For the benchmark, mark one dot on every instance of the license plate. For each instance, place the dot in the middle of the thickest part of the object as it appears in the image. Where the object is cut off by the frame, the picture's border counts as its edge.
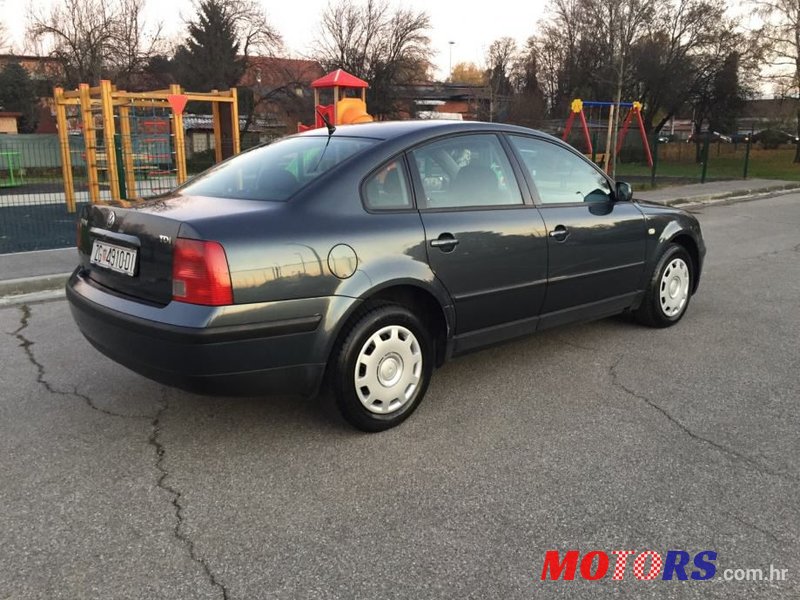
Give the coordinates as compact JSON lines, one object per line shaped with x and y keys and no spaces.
{"x":116,"y":258}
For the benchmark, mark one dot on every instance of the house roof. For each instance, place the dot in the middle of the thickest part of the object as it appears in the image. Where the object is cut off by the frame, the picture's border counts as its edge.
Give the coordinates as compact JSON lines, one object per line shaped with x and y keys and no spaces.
{"x":274,"y":71}
{"x":770,"y":108}
{"x":340,"y":78}
{"x":32,"y":57}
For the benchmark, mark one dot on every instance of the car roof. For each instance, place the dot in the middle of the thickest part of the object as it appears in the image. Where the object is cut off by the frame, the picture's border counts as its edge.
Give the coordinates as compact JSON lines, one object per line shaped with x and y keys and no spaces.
{"x":387,"y":130}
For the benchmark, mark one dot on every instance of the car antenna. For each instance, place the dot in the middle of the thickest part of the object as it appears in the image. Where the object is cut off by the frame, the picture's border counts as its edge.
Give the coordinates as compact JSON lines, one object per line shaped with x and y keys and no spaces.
{"x":324,"y":117}
{"x":331,"y":129}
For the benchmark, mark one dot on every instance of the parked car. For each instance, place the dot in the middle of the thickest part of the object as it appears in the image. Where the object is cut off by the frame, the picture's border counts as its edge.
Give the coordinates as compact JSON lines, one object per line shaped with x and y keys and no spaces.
{"x":740,"y":138}
{"x":372,"y":255}
{"x":772,"y":138}
{"x":713,"y":136}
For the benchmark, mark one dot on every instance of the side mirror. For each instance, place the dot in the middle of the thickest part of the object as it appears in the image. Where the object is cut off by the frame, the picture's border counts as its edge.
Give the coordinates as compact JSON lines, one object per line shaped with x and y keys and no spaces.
{"x":624,"y":192}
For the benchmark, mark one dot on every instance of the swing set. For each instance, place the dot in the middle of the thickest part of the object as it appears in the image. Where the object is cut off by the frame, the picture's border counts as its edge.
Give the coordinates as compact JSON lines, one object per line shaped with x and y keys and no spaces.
{"x":634,"y":112}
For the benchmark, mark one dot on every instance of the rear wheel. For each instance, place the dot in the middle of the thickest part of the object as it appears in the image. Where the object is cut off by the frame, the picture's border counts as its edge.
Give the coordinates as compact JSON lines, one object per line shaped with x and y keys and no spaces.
{"x":382,"y":368}
{"x":669,"y":290}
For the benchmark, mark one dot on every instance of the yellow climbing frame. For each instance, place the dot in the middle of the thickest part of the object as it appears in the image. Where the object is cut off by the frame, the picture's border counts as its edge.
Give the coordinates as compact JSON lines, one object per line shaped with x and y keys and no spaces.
{"x":108,"y":99}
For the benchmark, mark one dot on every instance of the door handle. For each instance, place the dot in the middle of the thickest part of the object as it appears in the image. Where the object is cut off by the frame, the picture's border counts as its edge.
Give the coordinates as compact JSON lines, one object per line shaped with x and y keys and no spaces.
{"x":560,"y":233}
{"x":446,"y":242}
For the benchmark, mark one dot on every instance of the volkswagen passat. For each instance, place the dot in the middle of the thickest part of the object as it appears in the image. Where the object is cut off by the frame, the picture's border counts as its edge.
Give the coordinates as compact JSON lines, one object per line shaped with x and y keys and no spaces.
{"x":370,"y":255}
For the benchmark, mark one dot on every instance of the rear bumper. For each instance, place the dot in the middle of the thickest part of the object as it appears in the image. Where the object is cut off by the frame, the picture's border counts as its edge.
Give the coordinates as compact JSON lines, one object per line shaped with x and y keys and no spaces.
{"x":259,"y":349}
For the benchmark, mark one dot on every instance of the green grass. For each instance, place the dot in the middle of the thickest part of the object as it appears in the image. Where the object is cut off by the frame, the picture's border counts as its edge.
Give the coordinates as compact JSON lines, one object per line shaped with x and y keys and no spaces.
{"x":676,"y":163}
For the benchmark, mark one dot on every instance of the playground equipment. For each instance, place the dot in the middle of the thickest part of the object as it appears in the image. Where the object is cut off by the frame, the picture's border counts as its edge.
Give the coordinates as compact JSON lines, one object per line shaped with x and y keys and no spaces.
{"x":14,"y":175}
{"x":150,"y":138}
{"x":634,"y":111}
{"x":343,"y":109}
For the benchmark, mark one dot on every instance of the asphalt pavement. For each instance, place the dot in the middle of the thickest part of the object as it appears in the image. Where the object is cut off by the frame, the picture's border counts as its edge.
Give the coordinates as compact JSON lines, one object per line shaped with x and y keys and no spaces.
{"x":601,"y":436}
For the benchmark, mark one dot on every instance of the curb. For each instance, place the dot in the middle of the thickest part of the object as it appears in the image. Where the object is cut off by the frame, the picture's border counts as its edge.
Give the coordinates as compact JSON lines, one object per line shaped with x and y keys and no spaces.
{"x":32,"y":285}
{"x":733,"y":196}
{"x":722,"y":200}
{"x":32,"y":298}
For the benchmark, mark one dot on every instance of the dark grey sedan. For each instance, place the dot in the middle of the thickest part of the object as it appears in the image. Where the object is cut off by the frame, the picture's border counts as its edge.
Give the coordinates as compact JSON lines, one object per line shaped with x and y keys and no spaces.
{"x":368,"y":257}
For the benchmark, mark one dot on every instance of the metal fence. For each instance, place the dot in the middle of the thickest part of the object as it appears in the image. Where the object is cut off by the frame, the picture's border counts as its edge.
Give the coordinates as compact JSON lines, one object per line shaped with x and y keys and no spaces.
{"x":33,"y":212}
{"x":678,"y":162}
{"x":33,"y":205}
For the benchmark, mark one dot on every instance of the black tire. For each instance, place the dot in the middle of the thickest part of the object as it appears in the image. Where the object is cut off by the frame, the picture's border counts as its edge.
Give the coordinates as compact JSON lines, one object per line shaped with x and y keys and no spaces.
{"x":653,"y":311}
{"x":343,"y":376}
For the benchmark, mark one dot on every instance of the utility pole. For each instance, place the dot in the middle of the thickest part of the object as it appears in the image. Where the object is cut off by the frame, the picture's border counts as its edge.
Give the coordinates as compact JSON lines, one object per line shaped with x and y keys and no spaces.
{"x":614,"y":125}
{"x":450,"y":69}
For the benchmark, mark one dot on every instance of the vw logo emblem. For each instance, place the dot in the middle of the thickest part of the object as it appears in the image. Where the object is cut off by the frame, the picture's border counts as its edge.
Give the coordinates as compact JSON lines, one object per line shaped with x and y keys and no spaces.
{"x":110,"y":218}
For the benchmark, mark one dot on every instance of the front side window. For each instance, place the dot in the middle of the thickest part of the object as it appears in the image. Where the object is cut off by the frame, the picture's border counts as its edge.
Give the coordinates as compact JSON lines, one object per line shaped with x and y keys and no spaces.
{"x":560,"y":177}
{"x":387,"y":188}
{"x":466,"y":171}
{"x":276,"y":171}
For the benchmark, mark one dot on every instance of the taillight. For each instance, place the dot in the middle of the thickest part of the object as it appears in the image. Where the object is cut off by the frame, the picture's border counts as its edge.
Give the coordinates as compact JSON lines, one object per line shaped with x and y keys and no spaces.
{"x":200,"y":273}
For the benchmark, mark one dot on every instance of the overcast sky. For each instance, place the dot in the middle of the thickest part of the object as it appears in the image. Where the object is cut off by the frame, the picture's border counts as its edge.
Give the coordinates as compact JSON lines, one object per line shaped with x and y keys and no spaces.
{"x":471,"y":29}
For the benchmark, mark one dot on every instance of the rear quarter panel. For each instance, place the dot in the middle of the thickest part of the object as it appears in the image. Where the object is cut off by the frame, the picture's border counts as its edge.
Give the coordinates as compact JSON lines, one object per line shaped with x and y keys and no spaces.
{"x":297,"y":250}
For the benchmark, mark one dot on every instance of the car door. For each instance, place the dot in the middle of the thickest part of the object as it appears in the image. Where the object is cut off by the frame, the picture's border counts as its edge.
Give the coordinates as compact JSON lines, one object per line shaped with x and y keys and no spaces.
{"x":486,"y":242}
{"x":596,"y":245}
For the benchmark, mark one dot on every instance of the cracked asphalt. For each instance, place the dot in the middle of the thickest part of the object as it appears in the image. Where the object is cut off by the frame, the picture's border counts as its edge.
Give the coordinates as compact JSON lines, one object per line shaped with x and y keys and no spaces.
{"x":594,"y":437}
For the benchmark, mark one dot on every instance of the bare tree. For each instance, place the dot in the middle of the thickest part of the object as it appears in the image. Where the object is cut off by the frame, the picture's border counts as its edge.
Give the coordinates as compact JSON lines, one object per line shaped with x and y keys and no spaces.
{"x":93,"y":39}
{"x":500,"y":58}
{"x":135,"y":43}
{"x":4,"y":39}
{"x":573,"y":59}
{"x":782,"y":33}
{"x":79,"y":35}
{"x":385,"y":47}
{"x":620,"y":23}
{"x":257,"y":36}
{"x":278,"y":85}
{"x":351,"y":35}
{"x":668,"y":54}
{"x":683,"y":47}
{"x":527,"y":103}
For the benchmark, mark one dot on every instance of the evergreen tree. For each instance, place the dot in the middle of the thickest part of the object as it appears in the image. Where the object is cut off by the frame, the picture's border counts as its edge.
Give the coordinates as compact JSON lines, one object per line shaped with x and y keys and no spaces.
{"x":209,"y":59}
{"x":18,"y":94}
{"x":728,"y":96}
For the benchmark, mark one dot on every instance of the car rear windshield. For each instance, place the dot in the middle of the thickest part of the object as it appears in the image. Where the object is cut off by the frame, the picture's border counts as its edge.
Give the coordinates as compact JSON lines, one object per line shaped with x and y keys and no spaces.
{"x":275,"y":171}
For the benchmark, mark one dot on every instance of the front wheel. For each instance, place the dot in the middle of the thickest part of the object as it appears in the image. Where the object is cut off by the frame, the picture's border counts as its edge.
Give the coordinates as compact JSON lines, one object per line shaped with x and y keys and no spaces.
{"x":669,"y":290}
{"x":382,"y":368}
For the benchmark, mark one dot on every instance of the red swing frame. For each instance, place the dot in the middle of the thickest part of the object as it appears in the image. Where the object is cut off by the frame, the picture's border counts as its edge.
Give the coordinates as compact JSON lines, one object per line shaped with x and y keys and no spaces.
{"x":634,"y":111}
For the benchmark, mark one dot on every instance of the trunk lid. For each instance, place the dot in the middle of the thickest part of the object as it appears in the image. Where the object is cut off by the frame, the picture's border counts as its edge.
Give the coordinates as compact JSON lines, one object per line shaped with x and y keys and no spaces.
{"x":134,"y":246}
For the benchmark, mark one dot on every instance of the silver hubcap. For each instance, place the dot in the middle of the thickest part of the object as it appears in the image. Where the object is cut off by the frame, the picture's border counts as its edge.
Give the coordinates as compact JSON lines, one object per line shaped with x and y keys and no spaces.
{"x":388,"y":370}
{"x":674,"y":287}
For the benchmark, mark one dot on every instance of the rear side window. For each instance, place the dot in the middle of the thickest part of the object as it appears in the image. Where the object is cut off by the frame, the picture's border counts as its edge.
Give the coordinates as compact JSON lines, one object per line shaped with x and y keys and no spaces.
{"x":276,"y":171}
{"x":387,"y":188}
{"x":466,"y":171}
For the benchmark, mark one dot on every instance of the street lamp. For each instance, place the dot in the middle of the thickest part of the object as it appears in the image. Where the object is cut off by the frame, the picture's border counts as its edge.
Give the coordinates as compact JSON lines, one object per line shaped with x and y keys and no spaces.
{"x":450,"y":73}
